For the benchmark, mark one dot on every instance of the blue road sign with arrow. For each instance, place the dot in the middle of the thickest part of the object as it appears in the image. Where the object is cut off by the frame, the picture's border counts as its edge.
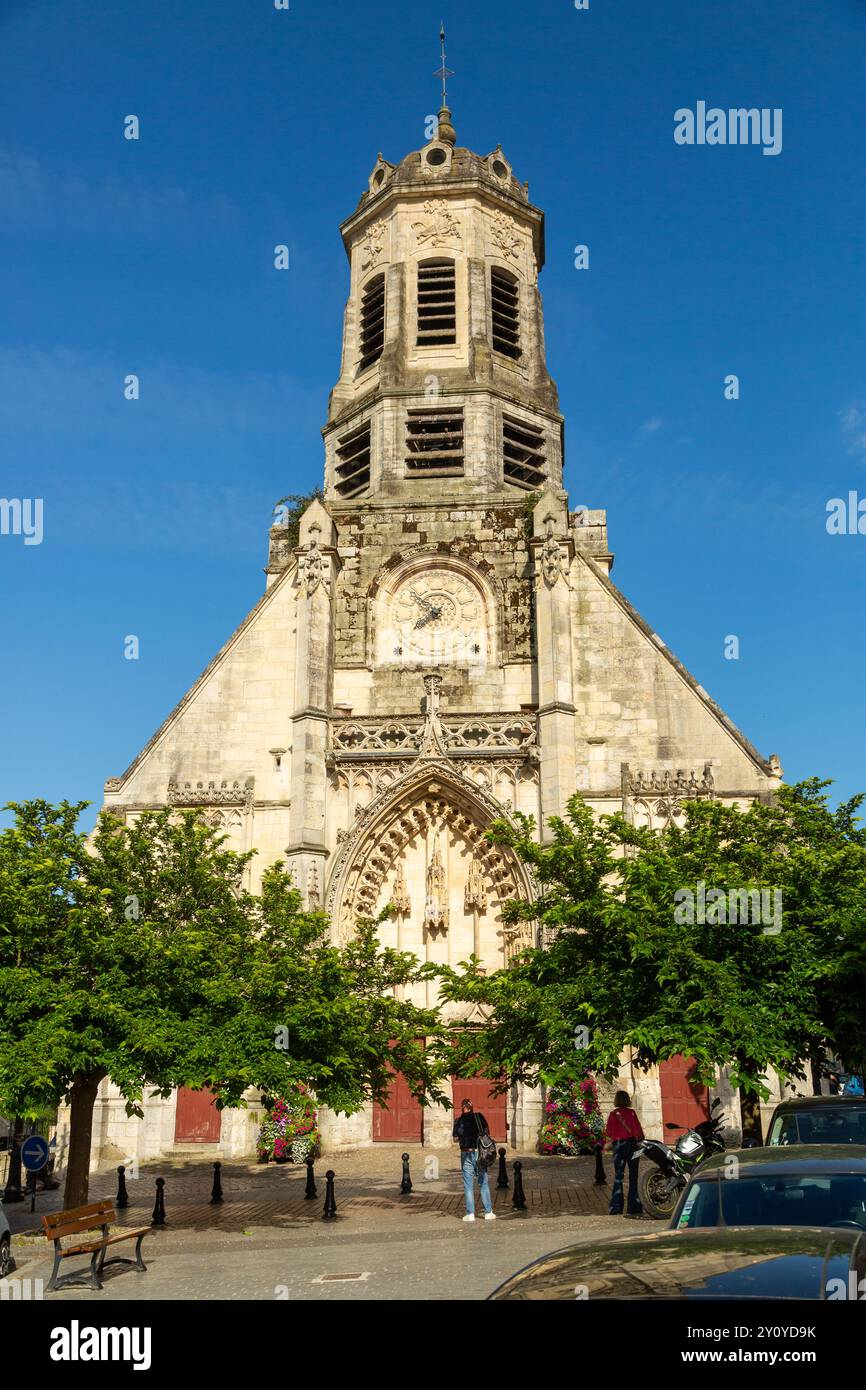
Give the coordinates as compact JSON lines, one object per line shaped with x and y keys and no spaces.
{"x":34,"y":1153}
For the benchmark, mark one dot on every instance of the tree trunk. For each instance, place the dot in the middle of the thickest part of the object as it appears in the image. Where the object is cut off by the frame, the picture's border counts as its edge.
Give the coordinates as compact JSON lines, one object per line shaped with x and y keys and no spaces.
{"x":750,"y":1116}
{"x":81,"y":1100}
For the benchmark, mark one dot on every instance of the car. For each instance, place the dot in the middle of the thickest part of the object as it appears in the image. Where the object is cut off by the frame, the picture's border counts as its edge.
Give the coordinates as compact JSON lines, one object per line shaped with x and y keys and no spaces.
{"x":818,"y":1120}
{"x":800,"y":1185}
{"x":724,"y":1263}
{"x":7,"y":1264}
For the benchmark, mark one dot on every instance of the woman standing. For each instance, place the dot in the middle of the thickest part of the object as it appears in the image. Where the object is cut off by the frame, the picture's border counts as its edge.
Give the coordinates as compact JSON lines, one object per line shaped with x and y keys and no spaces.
{"x":467,"y":1130}
{"x":623,"y":1128}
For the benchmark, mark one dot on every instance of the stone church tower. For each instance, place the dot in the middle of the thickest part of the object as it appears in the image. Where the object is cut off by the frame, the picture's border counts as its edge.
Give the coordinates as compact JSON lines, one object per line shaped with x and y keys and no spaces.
{"x":443,"y":645}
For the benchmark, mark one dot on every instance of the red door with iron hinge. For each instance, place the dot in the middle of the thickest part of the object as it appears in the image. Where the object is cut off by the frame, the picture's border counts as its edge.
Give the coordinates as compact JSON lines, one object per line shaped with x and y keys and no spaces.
{"x":477,"y":1089}
{"x":403,"y":1120}
{"x":683,"y":1102}
{"x":197,"y":1120}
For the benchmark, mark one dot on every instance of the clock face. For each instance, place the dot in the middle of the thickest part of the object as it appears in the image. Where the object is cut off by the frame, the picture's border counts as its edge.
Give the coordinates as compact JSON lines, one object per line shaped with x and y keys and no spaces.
{"x":438,"y":616}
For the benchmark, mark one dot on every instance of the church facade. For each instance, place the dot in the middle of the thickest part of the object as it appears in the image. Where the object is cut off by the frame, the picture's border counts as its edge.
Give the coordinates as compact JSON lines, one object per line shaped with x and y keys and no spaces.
{"x":443,"y":644}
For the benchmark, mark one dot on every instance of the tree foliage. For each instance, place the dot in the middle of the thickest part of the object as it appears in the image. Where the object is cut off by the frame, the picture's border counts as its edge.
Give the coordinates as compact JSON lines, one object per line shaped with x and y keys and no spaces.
{"x":142,"y":957}
{"x":622,"y":968}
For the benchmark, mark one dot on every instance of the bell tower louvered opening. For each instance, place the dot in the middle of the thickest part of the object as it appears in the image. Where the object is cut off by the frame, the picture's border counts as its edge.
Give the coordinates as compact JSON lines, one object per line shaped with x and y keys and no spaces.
{"x":434,"y":443}
{"x":352,"y":467}
{"x":505,"y":301}
{"x":372,"y":322}
{"x":437,"y":304}
{"x":524,"y":463}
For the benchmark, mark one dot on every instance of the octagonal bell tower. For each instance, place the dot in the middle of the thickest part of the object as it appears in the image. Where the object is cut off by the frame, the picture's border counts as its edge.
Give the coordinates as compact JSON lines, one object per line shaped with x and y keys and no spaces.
{"x":443,"y":374}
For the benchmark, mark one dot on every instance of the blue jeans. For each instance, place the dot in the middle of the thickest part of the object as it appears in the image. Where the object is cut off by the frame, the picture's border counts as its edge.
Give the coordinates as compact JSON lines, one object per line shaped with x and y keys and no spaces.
{"x":471,"y":1171}
{"x":623,"y":1149}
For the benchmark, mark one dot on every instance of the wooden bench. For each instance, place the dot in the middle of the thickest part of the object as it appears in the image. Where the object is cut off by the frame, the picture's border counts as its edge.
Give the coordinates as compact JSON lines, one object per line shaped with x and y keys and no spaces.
{"x":98,"y":1216}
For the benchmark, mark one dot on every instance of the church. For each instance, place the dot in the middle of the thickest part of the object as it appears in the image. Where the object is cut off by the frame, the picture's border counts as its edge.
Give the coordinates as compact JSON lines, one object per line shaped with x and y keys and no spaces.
{"x":440,"y":644}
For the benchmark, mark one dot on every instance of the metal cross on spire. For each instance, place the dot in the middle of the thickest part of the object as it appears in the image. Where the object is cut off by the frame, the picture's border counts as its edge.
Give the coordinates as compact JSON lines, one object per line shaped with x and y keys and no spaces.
{"x":444,"y":72}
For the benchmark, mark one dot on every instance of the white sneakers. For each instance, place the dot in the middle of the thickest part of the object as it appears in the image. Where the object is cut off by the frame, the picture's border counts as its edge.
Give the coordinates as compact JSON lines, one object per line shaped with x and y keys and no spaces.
{"x":470,"y":1216}
{"x":488,"y":1216}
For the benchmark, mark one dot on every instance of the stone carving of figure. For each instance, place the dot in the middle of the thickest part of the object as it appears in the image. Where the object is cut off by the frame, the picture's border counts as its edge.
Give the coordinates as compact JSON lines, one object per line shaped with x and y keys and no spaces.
{"x":552,"y":567}
{"x":436,"y":903}
{"x":311,"y":565}
{"x":400,"y":892}
{"x":475,"y":895}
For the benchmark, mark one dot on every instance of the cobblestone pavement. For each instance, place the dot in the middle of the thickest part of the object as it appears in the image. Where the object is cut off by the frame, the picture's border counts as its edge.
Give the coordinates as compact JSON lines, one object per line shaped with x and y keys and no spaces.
{"x":267,"y":1241}
{"x":367,"y":1186}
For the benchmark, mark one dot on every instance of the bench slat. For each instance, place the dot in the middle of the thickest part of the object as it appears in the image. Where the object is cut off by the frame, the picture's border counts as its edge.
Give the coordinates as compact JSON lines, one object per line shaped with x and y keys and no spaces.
{"x":87,"y":1223}
{"x":101,"y":1244}
{"x":60,"y":1218}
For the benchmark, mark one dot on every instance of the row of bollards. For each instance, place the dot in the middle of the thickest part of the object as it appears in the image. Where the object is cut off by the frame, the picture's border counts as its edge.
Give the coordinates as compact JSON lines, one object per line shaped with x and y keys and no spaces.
{"x":121,"y":1201}
{"x":518,"y":1198}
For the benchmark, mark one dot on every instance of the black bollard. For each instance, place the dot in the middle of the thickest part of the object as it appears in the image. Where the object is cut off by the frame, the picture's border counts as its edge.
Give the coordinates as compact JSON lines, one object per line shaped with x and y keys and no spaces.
{"x":502,"y":1180}
{"x":158,"y":1218}
{"x":217,"y":1190}
{"x":406,"y":1184}
{"x":122,"y":1199}
{"x":518,"y":1201}
{"x":600,"y":1178}
{"x":310,"y":1189}
{"x":13,"y":1191}
{"x":330,"y":1208}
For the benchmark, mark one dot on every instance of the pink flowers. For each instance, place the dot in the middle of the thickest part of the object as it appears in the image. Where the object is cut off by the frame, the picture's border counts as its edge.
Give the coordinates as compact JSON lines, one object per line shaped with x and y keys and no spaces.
{"x":290,"y":1130}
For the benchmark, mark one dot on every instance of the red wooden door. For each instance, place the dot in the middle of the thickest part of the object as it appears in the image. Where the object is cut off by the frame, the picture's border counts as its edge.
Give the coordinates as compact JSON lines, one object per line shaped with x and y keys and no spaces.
{"x":684,"y":1103}
{"x":197,"y":1120}
{"x":403,"y":1121}
{"x":477,"y":1089}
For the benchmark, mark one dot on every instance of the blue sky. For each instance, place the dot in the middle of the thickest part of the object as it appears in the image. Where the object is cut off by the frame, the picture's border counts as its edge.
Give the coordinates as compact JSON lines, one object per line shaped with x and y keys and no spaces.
{"x":261,"y":126}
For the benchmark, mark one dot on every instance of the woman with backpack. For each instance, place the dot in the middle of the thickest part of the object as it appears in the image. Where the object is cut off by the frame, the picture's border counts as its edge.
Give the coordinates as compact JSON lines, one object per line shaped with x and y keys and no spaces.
{"x":470,"y":1129}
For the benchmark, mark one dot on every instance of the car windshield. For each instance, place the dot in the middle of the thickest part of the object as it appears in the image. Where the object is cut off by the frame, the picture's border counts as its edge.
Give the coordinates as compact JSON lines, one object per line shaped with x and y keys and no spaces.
{"x":807,"y":1200}
{"x":841,"y":1124}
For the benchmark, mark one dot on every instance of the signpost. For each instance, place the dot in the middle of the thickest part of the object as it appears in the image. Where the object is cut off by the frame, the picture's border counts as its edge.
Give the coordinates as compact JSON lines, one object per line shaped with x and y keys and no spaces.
{"x":34,"y":1155}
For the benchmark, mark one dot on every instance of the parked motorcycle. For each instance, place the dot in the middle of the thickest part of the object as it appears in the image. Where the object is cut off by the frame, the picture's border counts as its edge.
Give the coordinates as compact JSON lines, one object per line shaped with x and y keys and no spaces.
{"x":665,"y":1171}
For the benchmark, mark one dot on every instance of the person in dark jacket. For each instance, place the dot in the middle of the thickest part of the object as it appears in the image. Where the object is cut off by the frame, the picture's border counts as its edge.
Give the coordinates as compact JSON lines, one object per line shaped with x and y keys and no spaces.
{"x":466,"y":1131}
{"x":623,"y":1129}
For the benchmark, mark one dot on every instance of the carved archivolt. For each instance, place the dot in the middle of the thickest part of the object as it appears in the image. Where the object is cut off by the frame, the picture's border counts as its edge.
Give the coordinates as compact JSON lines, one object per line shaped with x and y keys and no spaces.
{"x":431,"y":799}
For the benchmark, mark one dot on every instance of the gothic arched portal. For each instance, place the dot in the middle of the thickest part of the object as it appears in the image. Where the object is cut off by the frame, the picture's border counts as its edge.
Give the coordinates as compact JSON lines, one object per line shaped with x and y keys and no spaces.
{"x":421,"y":846}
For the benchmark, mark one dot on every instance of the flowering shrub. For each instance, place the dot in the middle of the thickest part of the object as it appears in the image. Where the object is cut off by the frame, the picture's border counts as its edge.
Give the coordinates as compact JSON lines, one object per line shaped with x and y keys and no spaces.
{"x":573,"y":1122}
{"x":291,"y":1129}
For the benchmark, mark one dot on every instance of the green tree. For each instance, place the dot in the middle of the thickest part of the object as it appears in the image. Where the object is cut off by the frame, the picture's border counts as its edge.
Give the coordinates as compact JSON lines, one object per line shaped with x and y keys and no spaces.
{"x":292,"y":508}
{"x":623,"y":971}
{"x":142,"y":957}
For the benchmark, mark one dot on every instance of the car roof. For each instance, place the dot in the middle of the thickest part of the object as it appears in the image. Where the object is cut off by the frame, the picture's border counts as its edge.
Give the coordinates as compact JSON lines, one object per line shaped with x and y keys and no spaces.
{"x":711,"y":1263}
{"x":816,"y":1102}
{"x":776,"y":1160}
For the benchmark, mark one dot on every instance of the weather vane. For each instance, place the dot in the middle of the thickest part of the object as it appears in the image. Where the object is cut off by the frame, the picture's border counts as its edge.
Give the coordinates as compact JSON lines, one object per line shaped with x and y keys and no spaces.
{"x":444,"y":72}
